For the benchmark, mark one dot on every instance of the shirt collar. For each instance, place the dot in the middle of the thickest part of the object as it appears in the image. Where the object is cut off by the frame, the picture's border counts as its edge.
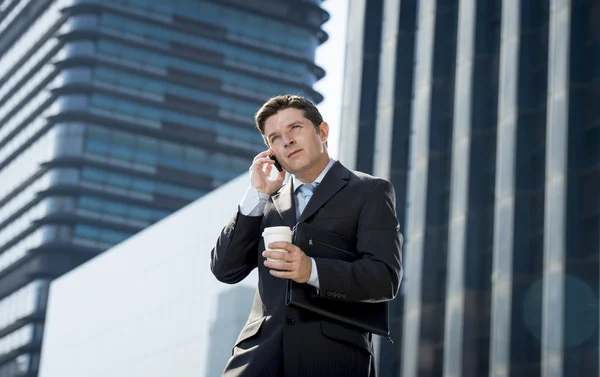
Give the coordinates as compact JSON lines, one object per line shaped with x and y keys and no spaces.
{"x":297,"y":183}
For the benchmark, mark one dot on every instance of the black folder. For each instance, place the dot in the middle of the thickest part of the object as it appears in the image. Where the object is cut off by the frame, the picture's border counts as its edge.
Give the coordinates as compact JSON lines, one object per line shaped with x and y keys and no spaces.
{"x":315,"y":242}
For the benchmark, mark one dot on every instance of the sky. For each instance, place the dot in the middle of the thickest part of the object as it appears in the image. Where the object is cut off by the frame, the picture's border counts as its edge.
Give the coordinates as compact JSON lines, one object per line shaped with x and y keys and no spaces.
{"x":331,"y":56}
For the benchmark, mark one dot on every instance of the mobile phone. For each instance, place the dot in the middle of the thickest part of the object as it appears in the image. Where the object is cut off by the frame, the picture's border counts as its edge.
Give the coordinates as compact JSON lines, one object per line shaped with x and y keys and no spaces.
{"x":277,"y":164}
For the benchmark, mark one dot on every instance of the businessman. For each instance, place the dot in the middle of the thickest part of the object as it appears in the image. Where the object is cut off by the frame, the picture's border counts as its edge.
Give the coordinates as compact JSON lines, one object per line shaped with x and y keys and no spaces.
{"x":280,"y":340}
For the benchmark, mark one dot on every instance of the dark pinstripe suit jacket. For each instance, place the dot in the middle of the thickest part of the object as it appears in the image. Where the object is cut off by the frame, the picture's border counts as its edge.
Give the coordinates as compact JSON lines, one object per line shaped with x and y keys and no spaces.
{"x":352,"y":204}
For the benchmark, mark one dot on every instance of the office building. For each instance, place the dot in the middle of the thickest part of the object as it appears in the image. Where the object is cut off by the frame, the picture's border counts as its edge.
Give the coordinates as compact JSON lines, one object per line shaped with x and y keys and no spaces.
{"x":484,"y":115}
{"x":114,"y":114}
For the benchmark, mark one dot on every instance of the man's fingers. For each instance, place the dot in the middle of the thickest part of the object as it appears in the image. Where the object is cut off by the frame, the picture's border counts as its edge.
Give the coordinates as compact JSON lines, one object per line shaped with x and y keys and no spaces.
{"x":260,"y":162}
{"x":288,"y":270}
{"x":289,"y":264}
{"x":282,"y":274}
{"x":279,"y":265}
{"x":278,"y":255}
{"x":262,"y":155}
{"x":290,"y":247}
{"x":284,"y":270}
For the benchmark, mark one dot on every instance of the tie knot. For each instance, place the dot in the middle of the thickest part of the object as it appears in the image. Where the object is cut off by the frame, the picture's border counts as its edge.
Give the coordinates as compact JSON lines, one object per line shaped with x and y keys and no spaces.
{"x":306,"y":189}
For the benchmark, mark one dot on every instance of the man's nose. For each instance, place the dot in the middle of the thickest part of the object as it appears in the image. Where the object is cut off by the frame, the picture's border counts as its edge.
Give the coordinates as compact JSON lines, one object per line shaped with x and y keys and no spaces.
{"x":288,"y":140}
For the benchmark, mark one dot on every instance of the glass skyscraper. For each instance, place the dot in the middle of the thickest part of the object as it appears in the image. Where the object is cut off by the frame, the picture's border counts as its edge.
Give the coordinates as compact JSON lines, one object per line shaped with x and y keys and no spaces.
{"x":485,"y":117}
{"x":115,"y":113}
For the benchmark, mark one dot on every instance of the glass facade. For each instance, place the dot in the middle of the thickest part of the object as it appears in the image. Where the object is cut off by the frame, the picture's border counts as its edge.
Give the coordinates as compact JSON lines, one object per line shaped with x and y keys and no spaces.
{"x":486,"y":123}
{"x":116,"y":113}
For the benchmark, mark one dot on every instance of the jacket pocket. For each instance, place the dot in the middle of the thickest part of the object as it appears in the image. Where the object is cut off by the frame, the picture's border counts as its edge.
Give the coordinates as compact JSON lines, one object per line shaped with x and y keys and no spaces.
{"x":343,"y":333}
{"x":250,"y":330}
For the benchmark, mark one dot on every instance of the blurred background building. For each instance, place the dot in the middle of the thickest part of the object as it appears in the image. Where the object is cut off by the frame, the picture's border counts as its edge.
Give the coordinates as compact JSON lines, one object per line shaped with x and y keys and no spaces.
{"x":150,"y":306}
{"x":114,"y":114}
{"x":484,"y":115}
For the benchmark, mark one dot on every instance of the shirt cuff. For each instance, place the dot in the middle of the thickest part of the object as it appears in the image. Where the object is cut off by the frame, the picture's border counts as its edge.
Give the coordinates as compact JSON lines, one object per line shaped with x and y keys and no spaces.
{"x":253,"y":203}
{"x":314,"y":275}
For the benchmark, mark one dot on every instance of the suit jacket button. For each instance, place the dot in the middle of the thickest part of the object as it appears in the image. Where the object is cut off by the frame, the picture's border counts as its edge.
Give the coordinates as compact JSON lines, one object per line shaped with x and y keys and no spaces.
{"x":290,"y":321}
{"x":329,"y":293}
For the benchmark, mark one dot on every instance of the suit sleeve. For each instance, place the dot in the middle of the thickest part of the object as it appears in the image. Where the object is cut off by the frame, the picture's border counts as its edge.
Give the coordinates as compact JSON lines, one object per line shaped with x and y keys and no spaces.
{"x":235,"y":254}
{"x":376,"y":275}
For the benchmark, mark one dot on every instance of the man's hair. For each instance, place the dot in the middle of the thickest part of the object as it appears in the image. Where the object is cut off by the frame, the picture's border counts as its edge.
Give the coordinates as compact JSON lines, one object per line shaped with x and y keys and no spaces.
{"x":286,"y":101}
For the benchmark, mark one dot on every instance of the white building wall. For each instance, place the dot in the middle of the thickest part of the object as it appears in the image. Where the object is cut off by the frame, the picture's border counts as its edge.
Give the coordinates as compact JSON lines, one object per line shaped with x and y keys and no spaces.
{"x":150,"y":306}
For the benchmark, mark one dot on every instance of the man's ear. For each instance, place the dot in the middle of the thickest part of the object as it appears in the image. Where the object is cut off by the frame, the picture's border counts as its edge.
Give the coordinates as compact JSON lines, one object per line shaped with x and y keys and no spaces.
{"x":323,"y":131}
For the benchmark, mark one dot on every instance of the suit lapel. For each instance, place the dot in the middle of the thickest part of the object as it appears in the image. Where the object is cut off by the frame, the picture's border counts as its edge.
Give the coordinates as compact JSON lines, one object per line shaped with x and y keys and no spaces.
{"x":336,"y":178}
{"x":284,"y":204}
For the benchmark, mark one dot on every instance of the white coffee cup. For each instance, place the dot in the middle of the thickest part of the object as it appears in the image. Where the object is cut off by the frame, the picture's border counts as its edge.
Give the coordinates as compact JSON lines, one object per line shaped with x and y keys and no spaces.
{"x":276,"y":233}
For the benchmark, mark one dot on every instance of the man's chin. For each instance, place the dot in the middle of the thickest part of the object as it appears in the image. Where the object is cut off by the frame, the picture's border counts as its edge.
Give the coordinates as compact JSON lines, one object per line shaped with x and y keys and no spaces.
{"x":295,"y":168}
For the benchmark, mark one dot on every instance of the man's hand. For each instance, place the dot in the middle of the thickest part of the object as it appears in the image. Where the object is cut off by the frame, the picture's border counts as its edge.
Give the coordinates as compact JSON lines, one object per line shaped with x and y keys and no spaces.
{"x":260,"y":174}
{"x":293,"y":265}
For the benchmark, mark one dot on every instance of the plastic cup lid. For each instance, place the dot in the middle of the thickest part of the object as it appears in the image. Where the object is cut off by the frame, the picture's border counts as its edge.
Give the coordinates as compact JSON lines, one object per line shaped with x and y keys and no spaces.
{"x":277,"y":229}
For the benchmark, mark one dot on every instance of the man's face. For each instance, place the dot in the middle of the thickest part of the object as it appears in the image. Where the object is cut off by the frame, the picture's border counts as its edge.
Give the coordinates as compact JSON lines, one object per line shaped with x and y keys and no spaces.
{"x":295,"y":141}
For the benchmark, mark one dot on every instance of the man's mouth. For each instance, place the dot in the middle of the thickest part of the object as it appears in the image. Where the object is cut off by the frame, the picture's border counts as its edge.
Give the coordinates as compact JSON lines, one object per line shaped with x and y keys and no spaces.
{"x":294,"y":153}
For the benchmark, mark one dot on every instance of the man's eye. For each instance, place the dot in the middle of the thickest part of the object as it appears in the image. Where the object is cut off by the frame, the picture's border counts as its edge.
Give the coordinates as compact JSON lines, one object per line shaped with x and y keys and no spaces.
{"x":296,"y":126}
{"x":274,"y":138}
